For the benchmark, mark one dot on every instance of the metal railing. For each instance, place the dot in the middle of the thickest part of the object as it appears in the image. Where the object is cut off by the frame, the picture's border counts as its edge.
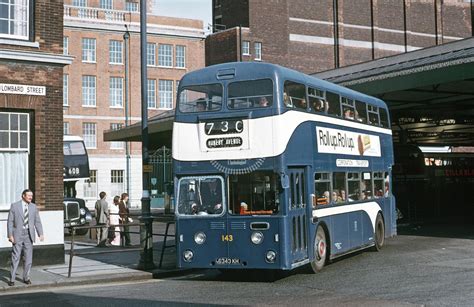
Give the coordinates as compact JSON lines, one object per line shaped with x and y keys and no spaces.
{"x":162,"y":219}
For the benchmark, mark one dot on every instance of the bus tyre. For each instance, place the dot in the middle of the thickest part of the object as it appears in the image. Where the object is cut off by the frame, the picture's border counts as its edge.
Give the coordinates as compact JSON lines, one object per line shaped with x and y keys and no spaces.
{"x":320,"y":250}
{"x":379,"y":233}
{"x":80,"y":232}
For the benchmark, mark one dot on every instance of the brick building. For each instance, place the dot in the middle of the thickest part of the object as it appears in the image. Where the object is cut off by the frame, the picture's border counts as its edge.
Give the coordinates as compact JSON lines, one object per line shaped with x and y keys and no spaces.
{"x":302,"y":34}
{"x":31,"y":156}
{"x":95,"y":83}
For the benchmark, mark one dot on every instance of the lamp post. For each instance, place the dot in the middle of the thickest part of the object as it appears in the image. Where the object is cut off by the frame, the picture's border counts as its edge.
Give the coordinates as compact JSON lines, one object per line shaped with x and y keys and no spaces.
{"x":126,"y":37}
{"x":146,"y":239}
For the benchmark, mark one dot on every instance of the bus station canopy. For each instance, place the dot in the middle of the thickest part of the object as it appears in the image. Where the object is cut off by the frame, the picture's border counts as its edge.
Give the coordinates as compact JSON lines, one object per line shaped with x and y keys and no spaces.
{"x":430,"y":92}
{"x":159,"y":131}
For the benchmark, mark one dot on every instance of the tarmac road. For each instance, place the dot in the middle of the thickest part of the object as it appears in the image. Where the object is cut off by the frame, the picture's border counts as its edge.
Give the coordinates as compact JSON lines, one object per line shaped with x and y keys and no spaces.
{"x":422,"y":266}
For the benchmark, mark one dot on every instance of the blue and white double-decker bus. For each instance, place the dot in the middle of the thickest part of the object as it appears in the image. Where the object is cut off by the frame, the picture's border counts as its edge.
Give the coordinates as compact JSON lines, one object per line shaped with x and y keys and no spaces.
{"x":275,"y":169}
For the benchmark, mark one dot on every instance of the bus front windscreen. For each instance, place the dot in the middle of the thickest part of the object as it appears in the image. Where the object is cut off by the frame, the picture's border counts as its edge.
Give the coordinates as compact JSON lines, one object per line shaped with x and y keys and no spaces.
{"x":200,"y":98}
{"x":200,"y":196}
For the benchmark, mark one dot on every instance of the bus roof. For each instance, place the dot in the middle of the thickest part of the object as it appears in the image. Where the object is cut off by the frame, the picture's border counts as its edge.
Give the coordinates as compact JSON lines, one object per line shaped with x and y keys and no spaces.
{"x":237,"y":71}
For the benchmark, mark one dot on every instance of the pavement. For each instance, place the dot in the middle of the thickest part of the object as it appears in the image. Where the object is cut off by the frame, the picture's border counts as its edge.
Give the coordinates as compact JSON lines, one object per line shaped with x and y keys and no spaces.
{"x":94,"y":265}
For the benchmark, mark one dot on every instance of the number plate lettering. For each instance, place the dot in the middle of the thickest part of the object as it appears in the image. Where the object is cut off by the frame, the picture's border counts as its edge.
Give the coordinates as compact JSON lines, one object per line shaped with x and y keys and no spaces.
{"x":225,"y":260}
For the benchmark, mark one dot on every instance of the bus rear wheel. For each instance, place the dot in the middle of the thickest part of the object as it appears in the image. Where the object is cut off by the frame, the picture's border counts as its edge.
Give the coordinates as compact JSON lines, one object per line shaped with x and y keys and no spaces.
{"x":379,"y":233}
{"x":320,"y":250}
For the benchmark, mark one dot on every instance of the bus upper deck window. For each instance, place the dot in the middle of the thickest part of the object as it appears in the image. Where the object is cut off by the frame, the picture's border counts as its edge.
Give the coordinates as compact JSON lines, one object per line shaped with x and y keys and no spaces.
{"x":294,"y":95}
{"x":373,"y":115}
{"x":250,"y":94}
{"x":360,"y":112}
{"x":200,"y":98}
{"x":384,"y":118}
{"x":334,"y":107}
{"x":316,"y":100}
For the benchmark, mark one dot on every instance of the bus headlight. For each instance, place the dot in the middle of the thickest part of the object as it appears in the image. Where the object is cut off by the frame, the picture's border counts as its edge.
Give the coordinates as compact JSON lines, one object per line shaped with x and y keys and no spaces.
{"x":270,"y":256}
{"x":256,"y":237}
{"x":199,"y":237}
{"x":188,"y":255}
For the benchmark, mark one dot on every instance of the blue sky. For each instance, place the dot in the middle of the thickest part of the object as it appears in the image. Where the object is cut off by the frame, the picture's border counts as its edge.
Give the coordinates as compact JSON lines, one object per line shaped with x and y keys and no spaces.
{"x":194,"y":9}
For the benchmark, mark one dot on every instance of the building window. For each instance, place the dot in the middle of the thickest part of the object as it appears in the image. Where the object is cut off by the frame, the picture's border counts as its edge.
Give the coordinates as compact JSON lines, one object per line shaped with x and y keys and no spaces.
{"x":14,"y":131}
{"x":106,"y":4}
{"x":116,"y":145}
{"x":258,"y":51}
{"x":81,"y":3}
{"x":116,"y":180}
{"x":65,"y":45}
{"x":66,"y":128}
{"x":131,"y":6}
{"x":88,"y":91}
{"x":88,"y":50}
{"x":90,"y":185}
{"x":116,"y":92}
{"x":151,"y":94}
{"x":245,"y":48}
{"x":14,"y":19}
{"x":14,"y":148}
{"x":65,"y":90}
{"x":89,"y":134}
{"x":151,"y":54}
{"x":165,"y":55}
{"x":115,"y":52}
{"x":181,"y":56}
{"x":165,"y":91}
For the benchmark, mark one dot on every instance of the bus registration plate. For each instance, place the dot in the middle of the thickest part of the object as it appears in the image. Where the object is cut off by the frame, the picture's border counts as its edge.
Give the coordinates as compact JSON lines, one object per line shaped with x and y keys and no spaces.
{"x":225,"y":260}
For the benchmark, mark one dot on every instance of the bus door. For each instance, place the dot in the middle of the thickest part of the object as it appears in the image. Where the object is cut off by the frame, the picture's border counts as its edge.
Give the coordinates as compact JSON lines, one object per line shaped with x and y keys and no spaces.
{"x":298,"y":221}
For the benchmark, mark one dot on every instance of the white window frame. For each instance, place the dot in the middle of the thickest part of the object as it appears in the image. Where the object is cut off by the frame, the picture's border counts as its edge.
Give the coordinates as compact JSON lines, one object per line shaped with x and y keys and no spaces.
{"x":151,"y":54}
{"x":20,"y":19}
{"x":65,"y":90}
{"x":116,"y":145}
{"x":116,"y":181}
{"x":151,"y":89}
{"x":18,"y":130}
{"x":165,"y":55}
{"x":89,"y":135}
{"x":89,"y":86}
{"x":258,"y":51}
{"x":90,"y":185}
{"x":165,"y":92}
{"x":106,"y":4}
{"x":131,"y":6}
{"x":66,"y":128}
{"x":66,"y":45}
{"x":180,"y":57}
{"x":245,"y":48}
{"x":115,"y":52}
{"x":89,"y":49}
{"x":116,"y":92}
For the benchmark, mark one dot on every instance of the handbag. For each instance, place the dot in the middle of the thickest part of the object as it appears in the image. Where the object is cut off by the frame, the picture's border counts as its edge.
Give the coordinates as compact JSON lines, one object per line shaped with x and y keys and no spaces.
{"x":111,"y":233}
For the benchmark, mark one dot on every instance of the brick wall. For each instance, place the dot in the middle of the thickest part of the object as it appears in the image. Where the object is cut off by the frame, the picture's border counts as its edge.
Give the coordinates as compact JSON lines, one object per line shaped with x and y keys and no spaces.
{"x":46,"y":127}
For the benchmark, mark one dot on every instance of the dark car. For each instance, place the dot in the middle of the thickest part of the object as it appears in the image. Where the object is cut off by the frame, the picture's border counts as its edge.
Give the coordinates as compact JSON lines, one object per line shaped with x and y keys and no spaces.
{"x":76,"y":214}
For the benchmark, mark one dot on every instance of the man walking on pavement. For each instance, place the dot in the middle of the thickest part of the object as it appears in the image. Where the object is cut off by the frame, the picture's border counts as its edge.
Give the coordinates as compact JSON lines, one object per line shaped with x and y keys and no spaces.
{"x":23,"y":219}
{"x":102,"y":218}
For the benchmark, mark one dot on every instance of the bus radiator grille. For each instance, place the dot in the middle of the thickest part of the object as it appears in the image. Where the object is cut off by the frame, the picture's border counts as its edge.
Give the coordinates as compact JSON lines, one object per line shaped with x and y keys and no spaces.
{"x":217,"y":225}
{"x":238,"y":225}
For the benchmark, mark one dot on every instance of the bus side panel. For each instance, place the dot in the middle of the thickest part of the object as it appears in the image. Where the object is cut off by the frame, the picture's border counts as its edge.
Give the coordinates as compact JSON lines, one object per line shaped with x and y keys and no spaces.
{"x":390,"y":216}
{"x":340,"y":242}
{"x":355,"y":228}
{"x":367,"y":229}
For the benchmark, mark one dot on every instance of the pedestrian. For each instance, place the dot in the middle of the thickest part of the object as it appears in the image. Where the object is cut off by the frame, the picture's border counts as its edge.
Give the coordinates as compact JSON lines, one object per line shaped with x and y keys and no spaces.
{"x":114,"y":228}
{"x":102,"y":219}
{"x":23,"y":220}
{"x":124,"y":217}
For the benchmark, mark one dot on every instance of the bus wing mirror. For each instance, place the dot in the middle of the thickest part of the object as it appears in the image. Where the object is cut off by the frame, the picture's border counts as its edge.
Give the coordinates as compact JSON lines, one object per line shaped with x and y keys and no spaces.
{"x":285,"y":181}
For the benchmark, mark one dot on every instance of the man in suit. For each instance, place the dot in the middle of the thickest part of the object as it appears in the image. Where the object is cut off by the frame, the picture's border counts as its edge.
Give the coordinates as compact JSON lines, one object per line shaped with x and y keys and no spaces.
{"x":102,"y":218}
{"x":212,"y":196}
{"x":23,"y":219}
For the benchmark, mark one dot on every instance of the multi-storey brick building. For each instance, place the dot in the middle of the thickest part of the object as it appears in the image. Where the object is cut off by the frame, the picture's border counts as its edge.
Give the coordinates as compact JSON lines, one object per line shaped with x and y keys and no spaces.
{"x":31,"y":155}
{"x":95,"y":83}
{"x":312,"y":36}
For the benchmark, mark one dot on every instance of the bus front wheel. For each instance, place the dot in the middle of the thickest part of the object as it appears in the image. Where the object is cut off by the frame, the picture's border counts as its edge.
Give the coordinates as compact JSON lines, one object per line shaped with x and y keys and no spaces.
{"x":379,"y":233}
{"x":320,"y":250}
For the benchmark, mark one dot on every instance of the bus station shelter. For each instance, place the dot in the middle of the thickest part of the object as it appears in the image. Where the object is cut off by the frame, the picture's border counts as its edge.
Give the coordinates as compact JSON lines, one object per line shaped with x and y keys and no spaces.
{"x":429,"y":92}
